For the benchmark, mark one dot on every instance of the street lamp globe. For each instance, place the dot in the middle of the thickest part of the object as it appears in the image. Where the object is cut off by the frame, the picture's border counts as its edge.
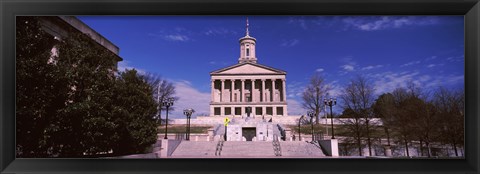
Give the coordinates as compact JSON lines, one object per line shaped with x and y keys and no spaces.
{"x":167,"y":103}
{"x":188,"y":113}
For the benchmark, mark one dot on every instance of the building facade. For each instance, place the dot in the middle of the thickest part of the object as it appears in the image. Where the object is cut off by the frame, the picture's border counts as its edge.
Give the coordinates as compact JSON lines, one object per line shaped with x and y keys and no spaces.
{"x":248,"y":88}
{"x":62,"y":26}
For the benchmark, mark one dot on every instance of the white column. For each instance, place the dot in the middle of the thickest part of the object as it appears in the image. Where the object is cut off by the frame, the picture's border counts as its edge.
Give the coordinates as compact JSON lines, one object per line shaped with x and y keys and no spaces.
{"x":213,"y":90}
{"x":284,"y":91}
{"x":212,"y":111}
{"x":272,"y":96}
{"x":222,"y":111}
{"x":262,"y":93}
{"x":264,"y":110}
{"x":242,"y":91}
{"x":285,"y":110}
{"x":274,"y":111}
{"x":231,"y":89}
{"x":253,"y":89}
{"x":222,"y":82}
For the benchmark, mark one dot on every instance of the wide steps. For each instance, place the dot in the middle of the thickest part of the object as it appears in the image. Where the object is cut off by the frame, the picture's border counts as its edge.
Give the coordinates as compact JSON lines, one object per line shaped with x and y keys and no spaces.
{"x":195,"y":149}
{"x":247,"y":149}
{"x":300,"y":149}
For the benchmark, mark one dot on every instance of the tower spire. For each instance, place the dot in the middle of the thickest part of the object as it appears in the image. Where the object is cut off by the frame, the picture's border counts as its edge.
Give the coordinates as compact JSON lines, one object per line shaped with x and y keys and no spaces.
{"x":247,"y":33}
{"x":247,"y":47}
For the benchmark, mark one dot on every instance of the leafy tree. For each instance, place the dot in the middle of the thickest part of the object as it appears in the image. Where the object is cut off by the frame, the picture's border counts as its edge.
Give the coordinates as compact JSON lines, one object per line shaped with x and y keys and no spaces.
{"x":312,"y":96}
{"x":85,"y":124}
{"x":69,"y":101}
{"x":134,"y":109}
{"x":36,"y":88}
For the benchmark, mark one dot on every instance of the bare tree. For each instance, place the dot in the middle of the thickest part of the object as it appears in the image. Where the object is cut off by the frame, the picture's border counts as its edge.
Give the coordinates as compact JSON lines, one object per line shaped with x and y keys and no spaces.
{"x":161,"y":89}
{"x":450,"y":106}
{"x":358,"y":97}
{"x":384,"y":108}
{"x":401,"y":120}
{"x":313,"y":95}
{"x":354,"y":129}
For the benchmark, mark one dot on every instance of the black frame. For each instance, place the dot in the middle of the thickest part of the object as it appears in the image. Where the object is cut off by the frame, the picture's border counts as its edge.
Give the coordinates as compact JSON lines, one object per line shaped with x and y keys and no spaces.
{"x":9,"y":9}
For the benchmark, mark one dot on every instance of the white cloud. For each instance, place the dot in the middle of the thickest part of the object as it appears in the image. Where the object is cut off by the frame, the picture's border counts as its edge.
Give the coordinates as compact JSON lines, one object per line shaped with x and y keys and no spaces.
{"x":299,"y":21}
{"x":444,"y":80}
{"x":295,"y":107}
{"x":430,"y":58}
{"x":124,"y":65}
{"x":433,"y":65}
{"x":289,"y":43}
{"x":295,"y":89}
{"x":375,"y":23}
{"x":176,"y":37}
{"x":319,"y":70}
{"x":372,"y":67}
{"x":219,"y":32}
{"x":189,"y":97}
{"x":335,"y":89}
{"x":410,"y":63}
{"x":175,"y":34}
{"x":388,"y":81}
{"x":456,"y":58}
{"x":348,"y":67}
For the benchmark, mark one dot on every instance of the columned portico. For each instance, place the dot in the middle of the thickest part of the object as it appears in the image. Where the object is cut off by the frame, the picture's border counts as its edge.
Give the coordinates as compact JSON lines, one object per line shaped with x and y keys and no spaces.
{"x":248,"y":84}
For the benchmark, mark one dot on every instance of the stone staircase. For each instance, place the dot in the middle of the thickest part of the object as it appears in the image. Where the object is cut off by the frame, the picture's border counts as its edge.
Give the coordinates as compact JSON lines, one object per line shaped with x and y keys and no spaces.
{"x":234,"y":149}
{"x":300,"y":149}
{"x":195,"y":149}
{"x":248,"y":149}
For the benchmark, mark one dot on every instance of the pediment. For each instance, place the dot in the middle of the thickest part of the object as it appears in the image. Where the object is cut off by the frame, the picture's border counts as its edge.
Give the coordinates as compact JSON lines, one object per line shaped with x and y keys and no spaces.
{"x":248,"y":68}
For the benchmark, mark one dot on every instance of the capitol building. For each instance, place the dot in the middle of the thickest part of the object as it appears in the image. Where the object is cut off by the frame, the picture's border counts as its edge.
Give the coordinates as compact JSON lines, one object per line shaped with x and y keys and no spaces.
{"x":248,"y":88}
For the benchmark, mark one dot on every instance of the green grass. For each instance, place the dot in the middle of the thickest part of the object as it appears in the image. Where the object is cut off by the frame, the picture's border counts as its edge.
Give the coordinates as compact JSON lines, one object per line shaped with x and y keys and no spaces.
{"x":181,"y":128}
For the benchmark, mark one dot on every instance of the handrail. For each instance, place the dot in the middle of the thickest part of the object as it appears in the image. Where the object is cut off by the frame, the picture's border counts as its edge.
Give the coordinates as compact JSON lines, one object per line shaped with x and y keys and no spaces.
{"x":282,"y":132}
{"x":218,"y":150}
{"x":276,"y":146}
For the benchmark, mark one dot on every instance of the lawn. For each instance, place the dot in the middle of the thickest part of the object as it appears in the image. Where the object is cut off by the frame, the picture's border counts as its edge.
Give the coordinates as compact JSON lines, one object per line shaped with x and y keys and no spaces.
{"x":181,"y":128}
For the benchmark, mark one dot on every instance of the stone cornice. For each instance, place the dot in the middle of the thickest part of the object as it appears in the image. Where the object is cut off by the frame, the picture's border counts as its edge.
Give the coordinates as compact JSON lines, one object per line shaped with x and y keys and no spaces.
{"x":278,"y":71}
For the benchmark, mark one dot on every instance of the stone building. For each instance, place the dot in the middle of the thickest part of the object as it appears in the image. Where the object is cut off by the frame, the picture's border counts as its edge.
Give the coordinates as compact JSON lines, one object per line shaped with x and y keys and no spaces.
{"x":62,"y":26}
{"x":248,"y":88}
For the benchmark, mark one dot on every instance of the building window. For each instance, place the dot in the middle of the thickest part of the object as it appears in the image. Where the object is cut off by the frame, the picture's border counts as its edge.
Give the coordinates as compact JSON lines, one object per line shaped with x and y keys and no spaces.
{"x":216,"y":111}
{"x":248,"y":98}
{"x":235,"y":98}
{"x":228,"y":111}
{"x":248,"y":52}
{"x":269,"y":111}
{"x":279,"y":110}
{"x":258,"y":111}
{"x":238,"y":111}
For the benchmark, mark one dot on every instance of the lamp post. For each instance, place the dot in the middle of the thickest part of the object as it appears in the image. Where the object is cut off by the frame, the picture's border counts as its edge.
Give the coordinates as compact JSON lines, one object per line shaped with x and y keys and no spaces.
{"x":167,"y":103}
{"x":331,"y":102}
{"x":299,"y":121}
{"x":311,"y":114}
{"x":158,"y":106}
{"x":188,"y":113}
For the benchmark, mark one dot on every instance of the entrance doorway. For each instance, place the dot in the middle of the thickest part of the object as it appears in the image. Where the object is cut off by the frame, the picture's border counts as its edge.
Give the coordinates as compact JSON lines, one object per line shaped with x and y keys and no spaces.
{"x":249,"y":133}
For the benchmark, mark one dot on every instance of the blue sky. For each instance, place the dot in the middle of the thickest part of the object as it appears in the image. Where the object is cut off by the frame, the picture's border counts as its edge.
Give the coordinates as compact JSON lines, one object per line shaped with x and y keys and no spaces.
{"x":389,"y":50}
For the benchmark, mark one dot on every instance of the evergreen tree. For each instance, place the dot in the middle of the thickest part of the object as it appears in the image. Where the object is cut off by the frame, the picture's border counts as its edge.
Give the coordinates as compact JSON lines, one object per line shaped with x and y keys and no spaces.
{"x":69,"y":101}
